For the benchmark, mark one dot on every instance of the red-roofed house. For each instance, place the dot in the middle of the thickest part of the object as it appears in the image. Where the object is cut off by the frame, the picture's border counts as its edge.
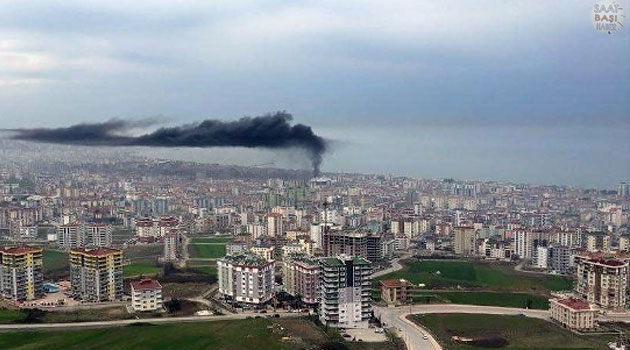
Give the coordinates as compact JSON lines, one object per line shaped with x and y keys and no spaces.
{"x":146,"y":295}
{"x":573,"y":313}
{"x":395,"y":291}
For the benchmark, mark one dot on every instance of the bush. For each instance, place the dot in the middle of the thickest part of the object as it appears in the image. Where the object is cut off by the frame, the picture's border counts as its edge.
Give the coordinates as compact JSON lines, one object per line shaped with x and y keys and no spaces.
{"x":173,"y":305}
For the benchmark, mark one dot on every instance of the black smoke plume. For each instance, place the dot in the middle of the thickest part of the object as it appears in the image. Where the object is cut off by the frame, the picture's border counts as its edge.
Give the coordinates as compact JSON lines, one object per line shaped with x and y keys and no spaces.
{"x":268,"y":131}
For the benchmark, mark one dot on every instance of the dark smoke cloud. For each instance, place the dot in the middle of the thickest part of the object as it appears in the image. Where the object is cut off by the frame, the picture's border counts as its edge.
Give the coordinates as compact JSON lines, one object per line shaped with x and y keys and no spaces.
{"x":268,"y":131}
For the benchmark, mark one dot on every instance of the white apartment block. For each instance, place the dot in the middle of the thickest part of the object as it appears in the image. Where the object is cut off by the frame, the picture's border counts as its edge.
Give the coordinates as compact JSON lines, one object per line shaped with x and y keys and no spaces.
{"x":246,"y":278}
{"x":573,"y":313}
{"x":146,"y":295}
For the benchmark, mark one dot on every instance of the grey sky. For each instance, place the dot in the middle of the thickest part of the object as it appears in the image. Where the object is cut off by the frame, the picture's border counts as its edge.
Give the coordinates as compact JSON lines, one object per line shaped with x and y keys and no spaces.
{"x":373,"y":63}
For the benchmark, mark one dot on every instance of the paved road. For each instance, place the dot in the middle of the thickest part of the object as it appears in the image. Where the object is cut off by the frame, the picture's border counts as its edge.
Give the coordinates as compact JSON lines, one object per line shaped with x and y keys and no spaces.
{"x":117,"y":323}
{"x":413,"y":334}
{"x":395,"y":267}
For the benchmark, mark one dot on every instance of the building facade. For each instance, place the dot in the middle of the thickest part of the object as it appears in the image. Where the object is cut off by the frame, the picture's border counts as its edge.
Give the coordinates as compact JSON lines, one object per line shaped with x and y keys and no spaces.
{"x":464,"y":240}
{"x":345,"y":243}
{"x":170,"y":246}
{"x":573,"y":313}
{"x":96,"y":275}
{"x":300,"y":277}
{"x":395,"y":292}
{"x":602,"y":282}
{"x":345,"y":291}
{"x":246,"y":278}
{"x":146,"y":295}
{"x":21,"y":276}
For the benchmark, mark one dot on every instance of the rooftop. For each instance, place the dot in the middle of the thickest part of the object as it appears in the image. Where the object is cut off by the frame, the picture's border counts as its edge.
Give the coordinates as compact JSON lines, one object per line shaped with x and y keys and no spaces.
{"x":575,"y":304}
{"x":245,"y":258}
{"x":609,"y":262}
{"x":396,"y":283}
{"x":341,"y":261}
{"x":96,"y":251}
{"x":19,"y":250}
{"x":146,"y":284}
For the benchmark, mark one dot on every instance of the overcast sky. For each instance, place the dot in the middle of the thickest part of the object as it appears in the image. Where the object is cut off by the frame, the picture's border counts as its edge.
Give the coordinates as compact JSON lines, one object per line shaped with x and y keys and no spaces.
{"x":372,"y":63}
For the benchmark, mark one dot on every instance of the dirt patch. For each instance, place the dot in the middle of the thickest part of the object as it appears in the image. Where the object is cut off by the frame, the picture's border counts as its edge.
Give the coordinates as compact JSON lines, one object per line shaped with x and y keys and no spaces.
{"x":184,"y":290}
{"x":304,"y":330}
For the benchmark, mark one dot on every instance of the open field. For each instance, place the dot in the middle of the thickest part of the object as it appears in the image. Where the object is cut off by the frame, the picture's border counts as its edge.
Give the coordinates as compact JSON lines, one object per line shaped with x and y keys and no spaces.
{"x":211,"y":240}
{"x":504,"y":332}
{"x":11,"y":315}
{"x":520,"y":300}
{"x":206,"y":270}
{"x":55,"y":261}
{"x":467,"y":274}
{"x":222,"y":335}
{"x":229,"y":335}
{"x":58,"y":315}
{"x":143,"y":252}
{"x":137,"y":269}
{"x":207,"y":251}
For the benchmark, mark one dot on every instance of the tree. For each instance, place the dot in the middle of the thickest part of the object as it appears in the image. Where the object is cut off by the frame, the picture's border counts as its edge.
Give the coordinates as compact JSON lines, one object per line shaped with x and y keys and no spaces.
{"x":173,"y":305}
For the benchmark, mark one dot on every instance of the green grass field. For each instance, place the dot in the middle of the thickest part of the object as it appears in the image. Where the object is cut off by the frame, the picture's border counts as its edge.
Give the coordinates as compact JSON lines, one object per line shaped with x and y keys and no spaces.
{"x":206,"y":270}
{"x":55,"y":260}
{"x":499,"y":277}
{"x":211,"y":240}
{"x":11,"y":316}
{"x":137,"y":269}
{"x":512,"y":332}
{"x":520,"y":300}
{"x":207,"y":251}
{"x":228,"y":335}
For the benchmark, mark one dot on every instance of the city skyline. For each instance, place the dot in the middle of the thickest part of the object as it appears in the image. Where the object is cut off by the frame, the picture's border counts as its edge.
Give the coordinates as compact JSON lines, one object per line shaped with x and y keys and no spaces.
{"x":511,"y":91}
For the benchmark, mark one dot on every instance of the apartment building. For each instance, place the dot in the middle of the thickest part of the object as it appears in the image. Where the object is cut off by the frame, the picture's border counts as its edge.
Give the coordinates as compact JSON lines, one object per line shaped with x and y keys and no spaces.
{"x":345,"y":286}
{"x":300,"y":276}
{"x":71,"y":236}
{"x":597,"y":242}
{"x":98,"y":235}
{"x":96,"y":274}
{"x":561,"y":259}
{"x":464,"y":240}
{"x":265,"y":251}
{"x":573,"y":313}
{"x":155,"y":227}
{"x":246,"y":278}
{"x":21,"y":276}
{"x":624,"y":243}
{"x":602,"y":282}
{"x":350,"y":243}
{"x":523,"y":243}
{"x":395,"y":291}
{"x":275,"y":227}
{"x":146,"y":227}
{"x":291,"y":248}
{"x":170,"y":246}
{"x":232,"y":248}
{"x":146,"y":295}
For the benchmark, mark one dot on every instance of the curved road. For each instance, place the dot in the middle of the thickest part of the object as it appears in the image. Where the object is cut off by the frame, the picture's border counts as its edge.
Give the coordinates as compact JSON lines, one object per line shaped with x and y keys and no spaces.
{"x":412,"y":333}
{"x":395,"y":267}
